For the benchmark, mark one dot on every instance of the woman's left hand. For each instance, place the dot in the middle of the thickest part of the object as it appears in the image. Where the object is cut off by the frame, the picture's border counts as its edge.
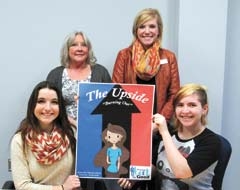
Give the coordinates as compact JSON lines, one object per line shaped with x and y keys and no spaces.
{"x":72,"y":182}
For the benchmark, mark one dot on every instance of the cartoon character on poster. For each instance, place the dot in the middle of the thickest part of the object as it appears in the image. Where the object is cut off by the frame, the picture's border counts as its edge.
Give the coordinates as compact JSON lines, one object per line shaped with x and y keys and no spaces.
{"x":114,"y":153}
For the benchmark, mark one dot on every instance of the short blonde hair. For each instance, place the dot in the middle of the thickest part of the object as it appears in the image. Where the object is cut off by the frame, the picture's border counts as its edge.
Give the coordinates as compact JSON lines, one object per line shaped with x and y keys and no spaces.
{"x":187,"y":90}
{"x":144,"y":16}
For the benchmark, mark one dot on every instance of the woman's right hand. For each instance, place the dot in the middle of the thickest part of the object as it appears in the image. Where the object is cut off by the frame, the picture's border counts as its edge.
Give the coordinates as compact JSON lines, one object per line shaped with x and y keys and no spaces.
{"x":160,"y":123}
{"x":125,"y":183}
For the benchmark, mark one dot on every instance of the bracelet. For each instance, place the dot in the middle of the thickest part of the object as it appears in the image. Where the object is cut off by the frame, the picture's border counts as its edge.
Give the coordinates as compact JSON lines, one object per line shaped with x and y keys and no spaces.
{"x":62,"y":187}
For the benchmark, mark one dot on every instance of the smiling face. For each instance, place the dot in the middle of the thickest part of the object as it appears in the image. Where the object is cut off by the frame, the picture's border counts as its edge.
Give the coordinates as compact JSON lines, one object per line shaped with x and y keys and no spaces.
{"x":47,"y":108}
{"x":113,"y":138}
{"x":78,"y":50}
{"x":189,"y":111}
{"x":148,"y":33}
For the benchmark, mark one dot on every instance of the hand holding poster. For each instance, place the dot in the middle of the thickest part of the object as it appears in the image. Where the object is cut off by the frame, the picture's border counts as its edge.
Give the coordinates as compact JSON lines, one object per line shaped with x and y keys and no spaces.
{"x":114,"y":130}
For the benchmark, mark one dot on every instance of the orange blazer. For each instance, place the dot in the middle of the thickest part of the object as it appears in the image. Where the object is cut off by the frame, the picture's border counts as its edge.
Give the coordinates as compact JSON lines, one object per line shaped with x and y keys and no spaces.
{"x":167,"y":79}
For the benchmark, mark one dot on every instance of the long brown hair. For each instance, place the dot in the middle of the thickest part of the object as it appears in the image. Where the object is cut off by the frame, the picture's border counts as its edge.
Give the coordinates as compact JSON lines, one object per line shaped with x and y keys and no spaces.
{"x":99,"y":161}
{"x":31,"y":122}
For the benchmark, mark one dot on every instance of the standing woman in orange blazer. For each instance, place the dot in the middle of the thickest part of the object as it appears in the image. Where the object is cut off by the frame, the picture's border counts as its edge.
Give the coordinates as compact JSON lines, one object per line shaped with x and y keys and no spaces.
{"x":146,"y":62}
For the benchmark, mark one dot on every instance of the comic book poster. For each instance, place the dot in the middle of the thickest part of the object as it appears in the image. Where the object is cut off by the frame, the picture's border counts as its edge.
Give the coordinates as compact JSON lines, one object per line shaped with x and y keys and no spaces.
{"x":114,"y":136}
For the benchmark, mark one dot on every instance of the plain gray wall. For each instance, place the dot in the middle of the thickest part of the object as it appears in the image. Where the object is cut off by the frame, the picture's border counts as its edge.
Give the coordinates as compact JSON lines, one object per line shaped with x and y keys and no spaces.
{"x":231,"y":101}
{"x":32,"y":34}
{"x":201,"y":50}
{"x":207,"y":54}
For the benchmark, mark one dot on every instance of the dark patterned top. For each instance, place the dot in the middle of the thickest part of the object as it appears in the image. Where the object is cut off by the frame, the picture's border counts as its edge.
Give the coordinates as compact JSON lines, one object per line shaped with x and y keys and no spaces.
{"x":201,"y":153}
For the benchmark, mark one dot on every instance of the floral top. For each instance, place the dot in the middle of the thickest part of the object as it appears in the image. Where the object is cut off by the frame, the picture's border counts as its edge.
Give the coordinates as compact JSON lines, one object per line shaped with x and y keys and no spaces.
{"x":70,"y":90}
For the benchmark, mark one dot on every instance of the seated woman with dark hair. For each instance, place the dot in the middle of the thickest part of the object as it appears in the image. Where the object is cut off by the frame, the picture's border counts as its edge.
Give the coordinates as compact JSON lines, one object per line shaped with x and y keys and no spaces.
{"x":43,"y":147}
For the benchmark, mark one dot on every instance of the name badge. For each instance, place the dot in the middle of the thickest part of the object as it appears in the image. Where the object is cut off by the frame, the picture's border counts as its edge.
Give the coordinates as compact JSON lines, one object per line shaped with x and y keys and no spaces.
{"x":163,"y":61}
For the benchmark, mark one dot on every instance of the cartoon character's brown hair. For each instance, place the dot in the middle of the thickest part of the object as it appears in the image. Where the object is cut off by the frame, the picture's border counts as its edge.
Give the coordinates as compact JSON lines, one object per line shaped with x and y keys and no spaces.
{"x":100,"y":158}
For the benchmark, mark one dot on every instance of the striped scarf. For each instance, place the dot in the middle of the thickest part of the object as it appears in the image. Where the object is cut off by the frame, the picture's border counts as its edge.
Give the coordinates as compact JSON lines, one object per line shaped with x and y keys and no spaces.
{"x":145,"y":63}
{"x":46,"y":148}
